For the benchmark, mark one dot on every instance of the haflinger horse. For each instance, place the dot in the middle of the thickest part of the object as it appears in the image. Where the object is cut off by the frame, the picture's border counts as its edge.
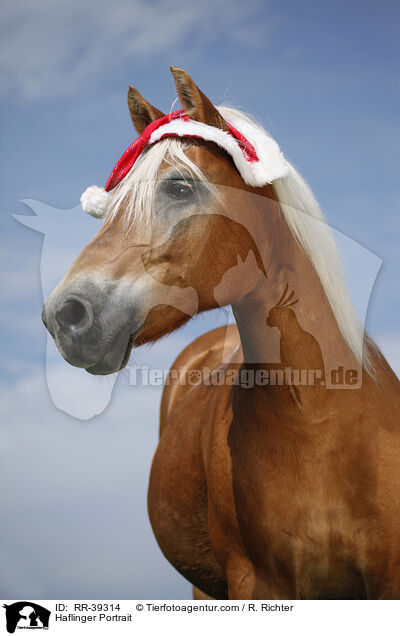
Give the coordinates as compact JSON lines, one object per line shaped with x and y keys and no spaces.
{"x":277,"y":471}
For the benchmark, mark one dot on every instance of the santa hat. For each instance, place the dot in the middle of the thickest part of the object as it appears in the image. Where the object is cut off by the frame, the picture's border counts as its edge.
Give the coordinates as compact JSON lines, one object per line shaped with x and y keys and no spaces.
{"x":256,"y":155}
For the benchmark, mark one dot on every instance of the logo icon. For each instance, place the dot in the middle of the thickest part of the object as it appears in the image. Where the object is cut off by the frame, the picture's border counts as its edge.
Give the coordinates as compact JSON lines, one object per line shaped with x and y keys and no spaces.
{"x":26,"y":615}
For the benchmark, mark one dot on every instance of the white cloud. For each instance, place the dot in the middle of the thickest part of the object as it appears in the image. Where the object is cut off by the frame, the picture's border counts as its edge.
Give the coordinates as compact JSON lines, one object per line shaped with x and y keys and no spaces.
{"x":52,"y":48}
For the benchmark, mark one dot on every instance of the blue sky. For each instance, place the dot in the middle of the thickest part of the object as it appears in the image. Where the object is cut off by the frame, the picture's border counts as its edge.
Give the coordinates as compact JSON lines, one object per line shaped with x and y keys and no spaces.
{"x":321,"y":76}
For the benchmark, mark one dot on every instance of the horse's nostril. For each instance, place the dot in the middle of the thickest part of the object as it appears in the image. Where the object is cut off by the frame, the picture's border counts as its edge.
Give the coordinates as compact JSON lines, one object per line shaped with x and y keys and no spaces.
{"x":72,"y":313}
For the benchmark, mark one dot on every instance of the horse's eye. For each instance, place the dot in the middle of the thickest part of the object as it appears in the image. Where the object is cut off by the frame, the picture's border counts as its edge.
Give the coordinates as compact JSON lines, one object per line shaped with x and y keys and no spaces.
{"x":180,"y":190}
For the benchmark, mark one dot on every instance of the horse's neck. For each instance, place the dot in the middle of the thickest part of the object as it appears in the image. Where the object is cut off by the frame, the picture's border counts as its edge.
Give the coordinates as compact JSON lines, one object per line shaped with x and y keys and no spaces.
{"x":302,"y":338}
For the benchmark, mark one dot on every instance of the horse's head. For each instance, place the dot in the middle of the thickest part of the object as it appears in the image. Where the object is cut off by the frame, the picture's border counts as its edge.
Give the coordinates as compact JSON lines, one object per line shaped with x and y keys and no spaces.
{"x":178,"y":222}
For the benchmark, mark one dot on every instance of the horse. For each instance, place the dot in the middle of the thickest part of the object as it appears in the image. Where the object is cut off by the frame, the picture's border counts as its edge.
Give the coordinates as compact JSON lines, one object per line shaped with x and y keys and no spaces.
{"x":261,"y":487}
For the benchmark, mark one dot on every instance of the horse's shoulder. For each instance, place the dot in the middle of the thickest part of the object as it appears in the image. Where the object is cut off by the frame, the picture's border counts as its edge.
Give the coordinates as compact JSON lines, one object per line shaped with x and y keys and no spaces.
{"x":208,"y":351}
{"x":209,"y":346}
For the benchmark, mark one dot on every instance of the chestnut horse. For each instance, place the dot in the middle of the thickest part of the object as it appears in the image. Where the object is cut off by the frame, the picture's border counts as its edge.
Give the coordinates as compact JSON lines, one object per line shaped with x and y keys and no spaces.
{"x":277,"y":474}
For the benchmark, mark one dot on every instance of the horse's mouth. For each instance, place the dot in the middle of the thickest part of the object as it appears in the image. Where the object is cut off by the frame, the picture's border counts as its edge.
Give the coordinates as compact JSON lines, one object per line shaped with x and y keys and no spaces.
{"x":128,"y":351}
{"x":110,"y":363}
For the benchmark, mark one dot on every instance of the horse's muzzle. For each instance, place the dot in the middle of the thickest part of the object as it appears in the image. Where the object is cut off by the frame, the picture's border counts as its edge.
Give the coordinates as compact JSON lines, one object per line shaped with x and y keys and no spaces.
{"x":89,"y":331}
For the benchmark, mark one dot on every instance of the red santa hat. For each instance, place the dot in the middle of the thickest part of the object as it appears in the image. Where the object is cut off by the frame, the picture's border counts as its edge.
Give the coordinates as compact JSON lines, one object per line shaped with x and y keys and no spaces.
{"x":256,"y":155}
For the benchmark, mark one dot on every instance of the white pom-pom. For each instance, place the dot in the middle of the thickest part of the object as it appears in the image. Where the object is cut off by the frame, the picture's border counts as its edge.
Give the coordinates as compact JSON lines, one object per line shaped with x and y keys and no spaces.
{"x":94,"y":201}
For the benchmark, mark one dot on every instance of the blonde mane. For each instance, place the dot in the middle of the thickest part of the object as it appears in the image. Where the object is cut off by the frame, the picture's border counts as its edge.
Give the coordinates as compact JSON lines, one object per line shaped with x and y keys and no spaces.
{"x":299,"y":208}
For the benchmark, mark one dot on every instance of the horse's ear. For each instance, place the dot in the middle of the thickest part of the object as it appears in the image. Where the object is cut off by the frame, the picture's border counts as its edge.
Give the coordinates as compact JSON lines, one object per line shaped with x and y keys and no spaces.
{"x":142,"y":113}
{"x":195,"y":103}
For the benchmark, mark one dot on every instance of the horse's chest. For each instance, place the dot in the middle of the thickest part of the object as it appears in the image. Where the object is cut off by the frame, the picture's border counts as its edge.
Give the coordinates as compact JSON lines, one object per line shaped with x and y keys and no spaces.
{"x":294,"y":524}
{"x":310,"y":543}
